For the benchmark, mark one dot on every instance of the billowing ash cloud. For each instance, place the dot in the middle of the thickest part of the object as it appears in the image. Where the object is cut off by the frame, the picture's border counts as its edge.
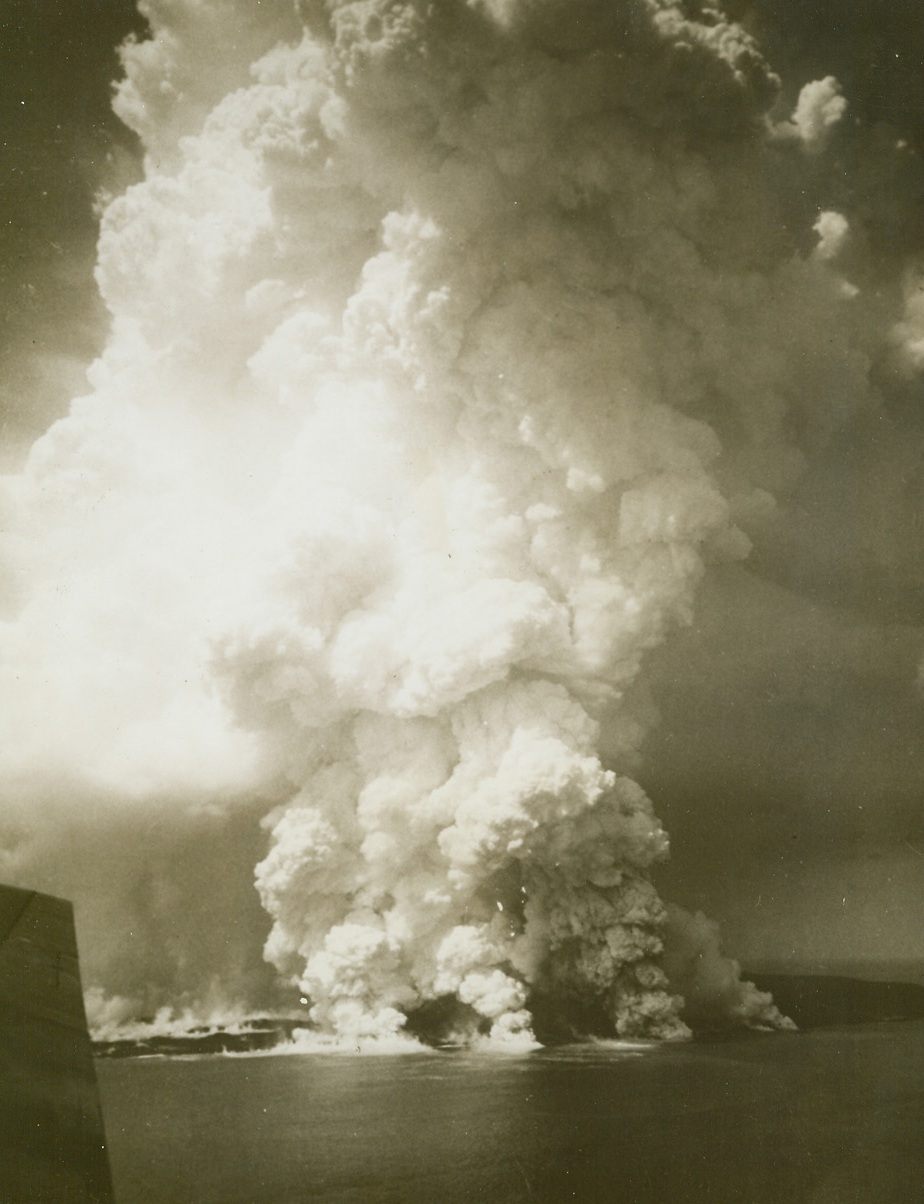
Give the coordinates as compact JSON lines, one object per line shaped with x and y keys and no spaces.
{"x":450,"y":344}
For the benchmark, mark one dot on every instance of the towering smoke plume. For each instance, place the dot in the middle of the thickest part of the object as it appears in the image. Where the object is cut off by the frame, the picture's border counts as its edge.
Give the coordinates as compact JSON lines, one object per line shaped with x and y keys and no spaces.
{"x":450,"y":344}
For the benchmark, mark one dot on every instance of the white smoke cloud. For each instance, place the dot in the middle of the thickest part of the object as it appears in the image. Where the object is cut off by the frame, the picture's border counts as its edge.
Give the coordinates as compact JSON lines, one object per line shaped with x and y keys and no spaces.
{"x":448,"y":349}
{"x":832,"y":229}
{"x":818,"y":110}
{"x":908,"y":333}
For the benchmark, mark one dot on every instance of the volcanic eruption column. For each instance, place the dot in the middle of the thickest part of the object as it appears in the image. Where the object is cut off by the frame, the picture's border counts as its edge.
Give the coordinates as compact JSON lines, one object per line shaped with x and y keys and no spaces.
{"x":481,"y":327}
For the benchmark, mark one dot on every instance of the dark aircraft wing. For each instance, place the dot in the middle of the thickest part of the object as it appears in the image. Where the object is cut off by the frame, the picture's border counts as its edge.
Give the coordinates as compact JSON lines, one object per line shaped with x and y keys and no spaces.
{"x":52,"y":1144}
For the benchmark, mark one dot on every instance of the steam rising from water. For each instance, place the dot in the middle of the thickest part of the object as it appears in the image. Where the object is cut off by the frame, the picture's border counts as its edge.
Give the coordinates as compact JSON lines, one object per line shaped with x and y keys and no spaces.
{"x":450,"y":345}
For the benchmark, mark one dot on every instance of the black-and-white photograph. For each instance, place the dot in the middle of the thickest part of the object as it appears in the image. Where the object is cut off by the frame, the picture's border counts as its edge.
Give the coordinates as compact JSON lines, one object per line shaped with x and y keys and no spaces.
{"x":462,"y":602}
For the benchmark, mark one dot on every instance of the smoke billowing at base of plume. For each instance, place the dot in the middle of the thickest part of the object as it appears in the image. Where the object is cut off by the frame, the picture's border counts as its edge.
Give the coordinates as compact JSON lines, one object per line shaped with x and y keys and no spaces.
{"x":450,"y":346}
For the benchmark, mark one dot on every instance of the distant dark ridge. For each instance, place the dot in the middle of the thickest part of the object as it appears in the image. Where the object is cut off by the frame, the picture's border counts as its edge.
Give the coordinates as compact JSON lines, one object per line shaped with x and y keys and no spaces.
{"x":819,"y":1000}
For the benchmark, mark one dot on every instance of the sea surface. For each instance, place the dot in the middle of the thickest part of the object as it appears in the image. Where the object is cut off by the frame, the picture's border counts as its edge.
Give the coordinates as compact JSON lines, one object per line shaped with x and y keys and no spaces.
{"x":833,"y":1116}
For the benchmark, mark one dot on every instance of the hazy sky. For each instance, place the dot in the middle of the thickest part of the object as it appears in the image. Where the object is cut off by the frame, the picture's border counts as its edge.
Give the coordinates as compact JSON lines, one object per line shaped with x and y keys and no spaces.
{"x":780,"y":732}
{"x":61,"y":143}
{"x":792,"y":711}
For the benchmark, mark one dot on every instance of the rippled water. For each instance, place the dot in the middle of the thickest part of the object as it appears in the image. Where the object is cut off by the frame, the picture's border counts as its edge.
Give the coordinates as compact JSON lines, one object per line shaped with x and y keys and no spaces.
{"x":834,"y":1116}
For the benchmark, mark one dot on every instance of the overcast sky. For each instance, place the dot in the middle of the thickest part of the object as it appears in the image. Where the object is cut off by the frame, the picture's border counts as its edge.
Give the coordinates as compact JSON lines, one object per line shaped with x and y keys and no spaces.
{"x":783,"y":742}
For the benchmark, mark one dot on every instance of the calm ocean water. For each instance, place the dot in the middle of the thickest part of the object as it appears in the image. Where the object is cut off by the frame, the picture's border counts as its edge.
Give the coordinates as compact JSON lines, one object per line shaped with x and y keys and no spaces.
{"x":833,"y":1116}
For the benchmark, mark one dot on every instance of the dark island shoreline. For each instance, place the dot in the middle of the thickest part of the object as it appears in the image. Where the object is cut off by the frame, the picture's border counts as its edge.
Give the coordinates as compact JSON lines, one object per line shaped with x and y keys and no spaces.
{"x":812,"y":1001}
